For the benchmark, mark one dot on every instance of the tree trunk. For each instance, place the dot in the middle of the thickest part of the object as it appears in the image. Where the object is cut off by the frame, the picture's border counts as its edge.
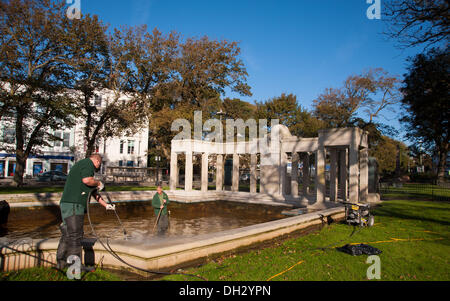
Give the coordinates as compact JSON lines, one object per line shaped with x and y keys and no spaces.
{"x":442,"y":152}
{"x":90,"y":148}
{"x":20,"y":170}
{"x":21,"y":159}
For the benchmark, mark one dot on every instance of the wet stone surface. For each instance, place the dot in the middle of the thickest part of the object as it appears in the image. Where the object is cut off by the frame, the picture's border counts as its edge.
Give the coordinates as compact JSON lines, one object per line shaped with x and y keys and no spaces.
{"x":138,"y":218}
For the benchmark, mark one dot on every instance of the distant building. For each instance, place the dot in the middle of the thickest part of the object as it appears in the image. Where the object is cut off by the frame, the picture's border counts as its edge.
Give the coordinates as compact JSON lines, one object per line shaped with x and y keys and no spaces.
{"x":61,"y":155}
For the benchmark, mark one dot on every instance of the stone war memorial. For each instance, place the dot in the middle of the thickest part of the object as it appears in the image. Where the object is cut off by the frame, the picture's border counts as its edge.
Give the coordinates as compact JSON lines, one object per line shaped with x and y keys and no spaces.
{"x":343,"y":151}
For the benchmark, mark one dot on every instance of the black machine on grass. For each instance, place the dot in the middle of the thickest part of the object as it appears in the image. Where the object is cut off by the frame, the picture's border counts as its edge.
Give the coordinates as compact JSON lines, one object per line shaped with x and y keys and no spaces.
{"x":358,"y":214}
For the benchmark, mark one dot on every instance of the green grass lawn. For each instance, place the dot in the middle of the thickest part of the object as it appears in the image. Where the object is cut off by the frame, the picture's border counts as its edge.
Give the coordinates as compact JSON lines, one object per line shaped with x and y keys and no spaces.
{"x":428,"y":191}
{"x":414,"y":237}
{"x":49,"y":274}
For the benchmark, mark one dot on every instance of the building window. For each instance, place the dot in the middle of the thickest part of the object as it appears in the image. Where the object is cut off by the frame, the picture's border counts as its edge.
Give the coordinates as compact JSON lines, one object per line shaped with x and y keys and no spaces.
{"x":98,"y":100}
{"x":121,"y":146}
{"x":120,"y":163}
{"x":11,"y":168}
{"x":9,"y":135}
{"x":66,"y":140}
{"x":130,"y":163}
{"x":58,"y":142}
{"x":130,"y":147}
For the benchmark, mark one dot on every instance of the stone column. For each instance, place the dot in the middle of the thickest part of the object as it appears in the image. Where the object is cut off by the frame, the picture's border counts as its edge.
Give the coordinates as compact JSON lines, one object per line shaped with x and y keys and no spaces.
{"x":188,"y":172}
{"x":270,"y":173}
{"x":235,"y":178}
{"x":173,"y":170}
{"x":320,"y":171}
{"x":333,"y":176}
{"x":283,"y":174}
{"x":364,"y":175}
{"x":294,"y":175}
{"x":219,"y":172}
{"x":343,"y":158}
{"x":305,"y":173}
{"x":353,"y":181}
{"x":253,"y":179}
{"x":159,"y":174}
{"x":204,"y":179}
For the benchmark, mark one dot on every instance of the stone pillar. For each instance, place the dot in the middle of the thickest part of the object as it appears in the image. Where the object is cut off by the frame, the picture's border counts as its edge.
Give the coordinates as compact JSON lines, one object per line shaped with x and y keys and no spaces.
{"x":173,"y":171}
{"x":235,"y":178}
{"x":305,"y":173}
{"x":253,"y":176}
{"x":294,"y":175}
{"x":204,"y":178}
{"x":283,"y":174}
{"x":188,"y":172}
{"x":343,"y":160}
{"x":364,"y":175}
{"x":320,"y":171}
{"x":219,"y":172}
{"x":159,"y":174}
{"x":333,"y":176}
{"x":353,"y":180}
{"x":270,"y":173}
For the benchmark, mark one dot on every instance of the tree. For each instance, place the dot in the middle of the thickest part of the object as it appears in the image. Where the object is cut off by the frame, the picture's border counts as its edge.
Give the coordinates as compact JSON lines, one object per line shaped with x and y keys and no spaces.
{"x":206,"y":67}
{"x":386,"y":150}
{"x":425,"y":100}
{"x":34,"y":73}
{"x":110,"y":71}
{"x":372,"y":92}
{"x":238,"y":109}
{"x":90,"y":68}
{"x":286,"y":109}
{"x":418,"y":22}
{"x":333,"y":108}
{"x":202,"y":70}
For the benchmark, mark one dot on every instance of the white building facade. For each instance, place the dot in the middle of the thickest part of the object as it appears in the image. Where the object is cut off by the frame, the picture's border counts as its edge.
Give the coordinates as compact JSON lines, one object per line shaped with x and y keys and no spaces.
{"x":124,"y":151}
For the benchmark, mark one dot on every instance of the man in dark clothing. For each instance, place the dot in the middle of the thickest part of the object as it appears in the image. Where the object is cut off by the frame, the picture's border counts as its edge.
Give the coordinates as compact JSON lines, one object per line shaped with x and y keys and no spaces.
{"x":159,"y":203}
{"x":73,"y":206}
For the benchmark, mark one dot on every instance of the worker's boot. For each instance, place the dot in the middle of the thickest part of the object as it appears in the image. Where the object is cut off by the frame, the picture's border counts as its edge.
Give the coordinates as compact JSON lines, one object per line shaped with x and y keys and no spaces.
{"x":75,"y":233}
{"x":61,"y":253}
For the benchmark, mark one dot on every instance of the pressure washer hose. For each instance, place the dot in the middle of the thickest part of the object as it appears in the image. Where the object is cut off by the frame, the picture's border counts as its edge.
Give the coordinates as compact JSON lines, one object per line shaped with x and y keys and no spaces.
{"x":108,"y":248}
{"x":117,"y":216}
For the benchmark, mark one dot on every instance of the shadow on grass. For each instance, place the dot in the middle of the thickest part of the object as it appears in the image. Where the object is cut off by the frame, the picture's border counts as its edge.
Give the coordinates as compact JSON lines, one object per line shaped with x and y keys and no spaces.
{"x":419,"y":212}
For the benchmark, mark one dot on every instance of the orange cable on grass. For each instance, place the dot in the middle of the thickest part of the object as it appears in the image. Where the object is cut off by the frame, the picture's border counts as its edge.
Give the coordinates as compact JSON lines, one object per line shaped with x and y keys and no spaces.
{"x":374,"y":242}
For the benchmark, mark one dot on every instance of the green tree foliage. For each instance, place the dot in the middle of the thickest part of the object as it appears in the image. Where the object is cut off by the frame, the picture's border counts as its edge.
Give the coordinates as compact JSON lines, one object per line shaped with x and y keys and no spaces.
{"x":116,"y":70}
{"x":386,"y":150}
{"x":286,"y":109}
{"x":426,"y":103}
{"x":34,"y":73}
{"x":53,"y":67}
{"x":236,"y":108}
{"x":200,"y":71}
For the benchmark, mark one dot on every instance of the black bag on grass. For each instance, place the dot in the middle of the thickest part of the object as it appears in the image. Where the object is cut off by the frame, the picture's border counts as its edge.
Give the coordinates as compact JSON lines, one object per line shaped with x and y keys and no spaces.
{"x":360,"y":249}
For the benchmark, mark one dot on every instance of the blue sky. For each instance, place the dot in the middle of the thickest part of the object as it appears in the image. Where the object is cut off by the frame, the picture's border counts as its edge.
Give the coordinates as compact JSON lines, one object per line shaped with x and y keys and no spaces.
{"x":299,"y":47}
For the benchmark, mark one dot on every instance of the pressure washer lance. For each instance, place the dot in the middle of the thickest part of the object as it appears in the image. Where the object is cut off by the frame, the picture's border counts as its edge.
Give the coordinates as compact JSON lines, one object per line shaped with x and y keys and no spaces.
{"x":157,"y":219}
{"x":108,"y":248}
{"x":117,"y":216}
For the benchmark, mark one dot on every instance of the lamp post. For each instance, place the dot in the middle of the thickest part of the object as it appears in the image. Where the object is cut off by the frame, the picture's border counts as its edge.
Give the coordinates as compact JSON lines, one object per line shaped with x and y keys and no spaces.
{"x":157,"y":160}
{"x":221,"y":113}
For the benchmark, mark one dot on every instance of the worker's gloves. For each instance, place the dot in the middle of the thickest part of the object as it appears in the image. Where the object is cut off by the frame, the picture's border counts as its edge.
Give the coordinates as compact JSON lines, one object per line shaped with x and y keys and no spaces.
{"x":100,"y":186}
{"x":110,"y":207}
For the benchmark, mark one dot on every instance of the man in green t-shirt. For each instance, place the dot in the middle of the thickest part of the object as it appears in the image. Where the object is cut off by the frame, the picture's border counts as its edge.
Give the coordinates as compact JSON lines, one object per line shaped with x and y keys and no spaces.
{"x":159,"y":202}
{"x":73,"y":206}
